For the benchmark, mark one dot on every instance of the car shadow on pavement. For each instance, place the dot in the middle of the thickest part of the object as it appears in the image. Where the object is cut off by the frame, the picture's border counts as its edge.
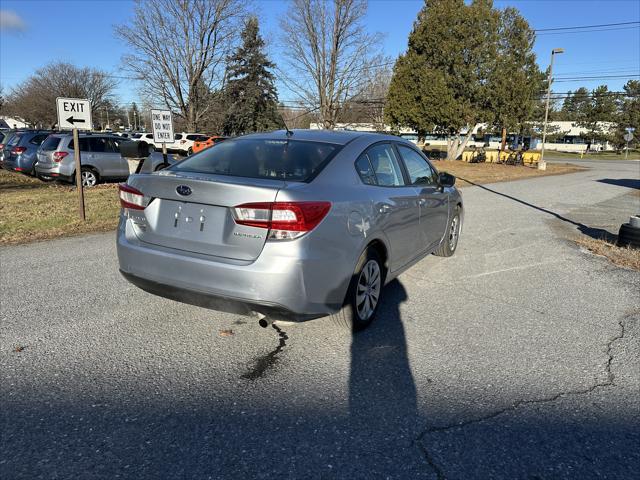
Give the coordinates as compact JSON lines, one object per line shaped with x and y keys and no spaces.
{"x":633,"y":183}
{"x":593,"y":232}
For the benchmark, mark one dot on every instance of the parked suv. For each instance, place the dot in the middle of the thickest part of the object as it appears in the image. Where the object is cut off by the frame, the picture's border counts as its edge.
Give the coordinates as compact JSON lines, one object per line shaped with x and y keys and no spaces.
{"x":148,"y":139}
{"x":100,"y":159}
{"x":184,"y":142}
{"x":19,"y":153}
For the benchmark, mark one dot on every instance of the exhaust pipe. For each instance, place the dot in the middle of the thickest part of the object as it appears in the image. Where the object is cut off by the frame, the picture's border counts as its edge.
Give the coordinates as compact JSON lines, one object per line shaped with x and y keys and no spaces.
{"x":263,"y":321}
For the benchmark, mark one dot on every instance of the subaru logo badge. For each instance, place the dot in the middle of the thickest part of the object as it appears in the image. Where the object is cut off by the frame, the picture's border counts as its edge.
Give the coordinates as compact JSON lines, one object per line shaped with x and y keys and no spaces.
{"x":184,"y":190}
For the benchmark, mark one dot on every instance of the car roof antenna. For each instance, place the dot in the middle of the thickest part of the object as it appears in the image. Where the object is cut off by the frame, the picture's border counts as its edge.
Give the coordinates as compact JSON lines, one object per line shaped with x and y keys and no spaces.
{"x":289,"y":132}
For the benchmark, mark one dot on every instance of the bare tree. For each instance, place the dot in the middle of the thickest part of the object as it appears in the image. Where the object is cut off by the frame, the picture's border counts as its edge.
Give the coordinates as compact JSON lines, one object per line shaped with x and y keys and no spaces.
{"x":34,"y":100}
{"x":327,"y":49}
{"x":179,"y":48}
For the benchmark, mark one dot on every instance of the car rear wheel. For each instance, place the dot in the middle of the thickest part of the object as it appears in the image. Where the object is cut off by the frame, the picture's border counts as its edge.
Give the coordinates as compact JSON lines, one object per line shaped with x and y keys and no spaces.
{"x":450,"y":241}
{"x":89,"y":177}
{"x":190,"y":151}
{"x":364,"y":293}
{"x":152,"y":148}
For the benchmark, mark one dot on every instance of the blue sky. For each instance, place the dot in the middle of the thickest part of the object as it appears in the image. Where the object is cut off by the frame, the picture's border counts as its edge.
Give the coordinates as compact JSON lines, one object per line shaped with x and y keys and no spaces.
{"x":81,"y":32}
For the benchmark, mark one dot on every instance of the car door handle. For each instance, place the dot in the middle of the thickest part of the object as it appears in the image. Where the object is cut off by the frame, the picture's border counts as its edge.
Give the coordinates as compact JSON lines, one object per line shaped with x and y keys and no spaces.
{"x":385,"y":208}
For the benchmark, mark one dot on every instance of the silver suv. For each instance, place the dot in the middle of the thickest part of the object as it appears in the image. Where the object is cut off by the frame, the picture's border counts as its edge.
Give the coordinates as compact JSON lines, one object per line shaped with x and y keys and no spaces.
{"x":100,"y":159}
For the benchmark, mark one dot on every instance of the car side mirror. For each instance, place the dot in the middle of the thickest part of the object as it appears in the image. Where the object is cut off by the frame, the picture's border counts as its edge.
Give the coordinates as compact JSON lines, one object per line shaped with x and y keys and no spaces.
{"x":446,"y":179}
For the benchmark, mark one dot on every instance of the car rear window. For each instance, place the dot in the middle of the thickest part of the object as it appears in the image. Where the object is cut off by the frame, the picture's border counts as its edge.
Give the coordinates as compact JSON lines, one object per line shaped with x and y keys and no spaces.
{"x":50,"y":144}
{"x":13,"y":141}
{"x":38,"y":139}
{"x":253,"y":158}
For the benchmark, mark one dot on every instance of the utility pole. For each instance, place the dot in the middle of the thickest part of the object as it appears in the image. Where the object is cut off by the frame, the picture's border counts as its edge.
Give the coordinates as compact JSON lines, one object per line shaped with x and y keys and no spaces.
{"x":542,"y":165}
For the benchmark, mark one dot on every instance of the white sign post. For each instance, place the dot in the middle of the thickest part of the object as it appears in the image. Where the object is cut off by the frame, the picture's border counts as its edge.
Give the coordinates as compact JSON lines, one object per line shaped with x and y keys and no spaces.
{"x":162,"y":123}
{"x":74,"y":114}
{"x":628,"y":137}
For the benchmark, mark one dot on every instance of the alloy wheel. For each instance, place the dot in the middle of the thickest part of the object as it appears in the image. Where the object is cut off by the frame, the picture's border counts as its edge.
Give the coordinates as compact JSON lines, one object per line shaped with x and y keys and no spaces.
{"x":368,"y":289}
{"x":89,"y":179}
{"x":454,"y":233}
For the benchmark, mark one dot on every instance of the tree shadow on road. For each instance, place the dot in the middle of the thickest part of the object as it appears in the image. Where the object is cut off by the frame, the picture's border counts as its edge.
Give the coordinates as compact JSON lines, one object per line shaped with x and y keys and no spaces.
{"x":593,"y":232}
{"x":632,"y":183}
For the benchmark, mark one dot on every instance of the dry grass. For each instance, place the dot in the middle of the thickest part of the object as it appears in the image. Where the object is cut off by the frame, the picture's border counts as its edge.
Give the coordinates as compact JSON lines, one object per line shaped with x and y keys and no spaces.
{"x":32,"y":210}
{"x":495,"y":172}
{"x":623,"y":256}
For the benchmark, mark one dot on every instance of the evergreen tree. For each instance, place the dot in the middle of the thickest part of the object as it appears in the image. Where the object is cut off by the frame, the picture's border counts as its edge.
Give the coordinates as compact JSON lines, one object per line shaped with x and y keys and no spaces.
{"x":577,"y":104}
{"x":250,"y":91}
{"x":465,"y":64}
{"x":629,"y":113}
{"x":515,"y":80}
{"x":601,"y":107}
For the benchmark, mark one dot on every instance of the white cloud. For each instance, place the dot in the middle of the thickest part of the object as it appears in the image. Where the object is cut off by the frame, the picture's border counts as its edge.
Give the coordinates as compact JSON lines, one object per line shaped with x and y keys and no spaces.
{"x":11,"y":21}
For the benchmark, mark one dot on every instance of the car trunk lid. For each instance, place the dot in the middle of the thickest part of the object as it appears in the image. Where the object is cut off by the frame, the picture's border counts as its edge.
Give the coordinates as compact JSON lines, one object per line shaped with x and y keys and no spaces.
{"x":200,"y":219}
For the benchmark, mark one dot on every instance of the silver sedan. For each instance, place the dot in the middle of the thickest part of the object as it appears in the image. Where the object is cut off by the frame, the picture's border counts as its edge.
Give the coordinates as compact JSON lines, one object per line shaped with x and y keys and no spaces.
{"x":288,"y":225}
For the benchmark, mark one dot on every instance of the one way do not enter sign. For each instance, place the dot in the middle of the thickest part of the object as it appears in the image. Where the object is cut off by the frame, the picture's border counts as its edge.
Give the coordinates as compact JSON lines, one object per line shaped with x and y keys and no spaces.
{"x":74,"y":113}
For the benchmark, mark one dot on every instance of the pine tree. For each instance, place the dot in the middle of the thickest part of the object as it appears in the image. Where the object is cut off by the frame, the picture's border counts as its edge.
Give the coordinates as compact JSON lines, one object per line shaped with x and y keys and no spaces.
{"x":250,"y":92}
{"x":576,"y":106}
{"x":515,"y":80}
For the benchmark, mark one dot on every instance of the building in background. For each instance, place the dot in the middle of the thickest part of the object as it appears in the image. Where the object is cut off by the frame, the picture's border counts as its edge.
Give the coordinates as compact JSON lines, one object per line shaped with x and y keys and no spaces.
{"x":564,"y":136}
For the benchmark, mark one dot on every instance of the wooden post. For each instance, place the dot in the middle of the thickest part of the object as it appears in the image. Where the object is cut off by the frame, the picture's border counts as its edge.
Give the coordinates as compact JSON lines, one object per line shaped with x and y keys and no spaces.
{"x":79,"y":187}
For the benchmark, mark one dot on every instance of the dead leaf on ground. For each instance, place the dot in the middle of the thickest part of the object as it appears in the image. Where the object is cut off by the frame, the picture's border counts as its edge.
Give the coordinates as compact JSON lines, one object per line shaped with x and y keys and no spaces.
{"x":225,"y":333}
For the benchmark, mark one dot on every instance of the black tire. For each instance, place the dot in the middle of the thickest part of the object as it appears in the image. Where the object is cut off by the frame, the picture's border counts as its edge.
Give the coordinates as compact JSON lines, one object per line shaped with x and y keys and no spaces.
{"x":629,"y":236}
{"x":160,"y":166}
{"x":351,"y":315}
{"x":450,"y":241}
{"x":190,"y":152}
{"x":152,"y":148}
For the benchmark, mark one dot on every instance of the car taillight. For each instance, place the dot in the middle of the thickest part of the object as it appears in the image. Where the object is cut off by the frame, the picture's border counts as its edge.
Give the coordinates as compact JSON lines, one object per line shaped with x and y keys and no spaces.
{"x":284,"y":220}
{"x":18,"y":150}
{"x":132,"y":198}
{"x":1,"y":146}
{"x":58,"y":156}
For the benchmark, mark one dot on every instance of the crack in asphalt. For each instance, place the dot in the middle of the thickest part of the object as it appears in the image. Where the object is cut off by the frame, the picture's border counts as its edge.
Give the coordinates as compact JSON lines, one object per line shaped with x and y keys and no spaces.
{"x":610,"y":381}
{"x":265,"y":362}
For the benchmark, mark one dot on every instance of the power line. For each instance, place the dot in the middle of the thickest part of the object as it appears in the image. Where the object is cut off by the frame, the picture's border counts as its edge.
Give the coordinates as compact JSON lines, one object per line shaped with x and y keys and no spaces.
{"x":592,"y":30}
{"x":585,"y":26}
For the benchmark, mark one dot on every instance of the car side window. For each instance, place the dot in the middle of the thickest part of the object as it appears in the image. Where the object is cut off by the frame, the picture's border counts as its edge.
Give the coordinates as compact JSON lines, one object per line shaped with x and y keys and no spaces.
{"x":38,"y":139}
{"x":420,"y":172}
{"x":99,"y":144}
{"x":84,"y":145}
{"x":114,"y":144}
{"x":385,"y":165}
{"x":364,"y":169}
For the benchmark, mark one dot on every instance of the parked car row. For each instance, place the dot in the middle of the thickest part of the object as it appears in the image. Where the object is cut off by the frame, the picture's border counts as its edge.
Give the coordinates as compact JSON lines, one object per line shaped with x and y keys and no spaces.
{"x":184,"y":144}
{"x":50,"y":156}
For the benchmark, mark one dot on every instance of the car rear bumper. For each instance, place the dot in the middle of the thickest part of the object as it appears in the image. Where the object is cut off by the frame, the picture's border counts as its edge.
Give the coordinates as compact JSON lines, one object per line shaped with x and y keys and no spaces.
{"x":227,"y":304}
{"x":23,"y":164}
{"x":278,"y":285}
{"x":53,"y":171}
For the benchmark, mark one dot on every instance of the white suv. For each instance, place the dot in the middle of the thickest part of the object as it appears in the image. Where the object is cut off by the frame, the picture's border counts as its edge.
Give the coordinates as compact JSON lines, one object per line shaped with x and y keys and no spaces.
{"x":148,"y":139}
{"x":184,"y":142}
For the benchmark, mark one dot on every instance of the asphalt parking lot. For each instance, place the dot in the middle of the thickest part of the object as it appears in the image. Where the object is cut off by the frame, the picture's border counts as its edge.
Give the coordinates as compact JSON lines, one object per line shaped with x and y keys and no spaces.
{"x":516,"y":358}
